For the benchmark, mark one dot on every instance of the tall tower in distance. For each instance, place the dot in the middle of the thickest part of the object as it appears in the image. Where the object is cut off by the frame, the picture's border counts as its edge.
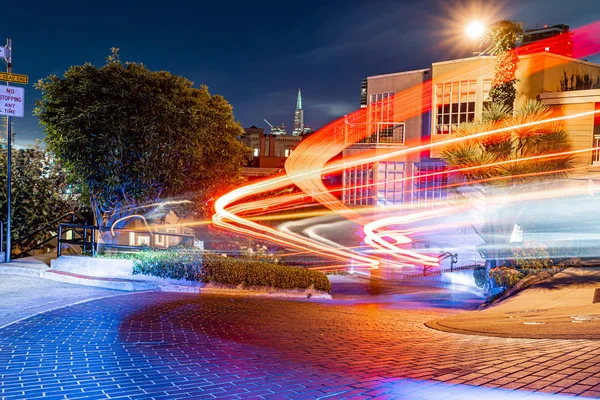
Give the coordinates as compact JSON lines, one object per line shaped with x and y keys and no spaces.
{"x":298,"y":117}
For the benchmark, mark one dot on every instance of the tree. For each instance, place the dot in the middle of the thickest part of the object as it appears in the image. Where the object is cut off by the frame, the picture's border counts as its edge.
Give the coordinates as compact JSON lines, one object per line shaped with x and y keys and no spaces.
{"x":502,"y":163}
{"x":503,"y":41}
{"x":39,"y":192}
{"x":135,"y":137}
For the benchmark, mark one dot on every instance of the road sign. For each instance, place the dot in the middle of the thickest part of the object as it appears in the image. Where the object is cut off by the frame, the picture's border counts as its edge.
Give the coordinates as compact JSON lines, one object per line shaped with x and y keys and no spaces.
{"x":11,"y":101}
{"x":17,"y":78}
{"x":2,"y":52}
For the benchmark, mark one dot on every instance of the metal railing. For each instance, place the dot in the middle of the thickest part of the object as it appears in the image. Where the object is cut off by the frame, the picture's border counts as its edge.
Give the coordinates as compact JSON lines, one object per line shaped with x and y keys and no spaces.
{"x":89,"y":239}
{"x":441,"y":271}
{"x":453,"y":259}
{"x":72,"y":215}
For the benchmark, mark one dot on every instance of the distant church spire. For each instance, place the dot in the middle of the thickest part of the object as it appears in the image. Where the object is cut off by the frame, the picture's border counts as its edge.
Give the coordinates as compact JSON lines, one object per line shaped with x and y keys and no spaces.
{"x":298,"y":117}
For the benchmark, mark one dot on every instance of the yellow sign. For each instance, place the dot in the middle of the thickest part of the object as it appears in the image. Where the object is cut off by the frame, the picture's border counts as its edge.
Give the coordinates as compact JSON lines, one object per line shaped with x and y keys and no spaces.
{"x":16,"y":78}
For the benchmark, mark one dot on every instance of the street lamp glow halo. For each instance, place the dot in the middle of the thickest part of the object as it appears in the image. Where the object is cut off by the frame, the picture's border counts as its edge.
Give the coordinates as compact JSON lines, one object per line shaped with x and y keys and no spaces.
{"x":475,"y":29}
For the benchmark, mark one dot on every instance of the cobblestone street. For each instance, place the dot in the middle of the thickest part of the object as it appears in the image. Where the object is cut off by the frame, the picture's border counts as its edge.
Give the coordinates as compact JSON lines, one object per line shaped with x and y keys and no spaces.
{"x":171,"y":346}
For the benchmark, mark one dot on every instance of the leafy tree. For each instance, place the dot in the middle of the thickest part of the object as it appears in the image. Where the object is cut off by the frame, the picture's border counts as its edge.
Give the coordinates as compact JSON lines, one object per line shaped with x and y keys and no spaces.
{"x":39,"y":192}
{"x":503,"y":40}
{"x":134,"y":136}
{"x":501,"y":163}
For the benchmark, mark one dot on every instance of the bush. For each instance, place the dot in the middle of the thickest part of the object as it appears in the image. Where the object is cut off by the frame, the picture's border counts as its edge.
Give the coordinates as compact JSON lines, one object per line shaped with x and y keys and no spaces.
{"x":174,"y":264}
{"x":195,"y":265}
{"x":531,"y":255}
{"x":232,"y":271}
{"x":505,"y":277}
{"x":259,"y":253}
{"x":481,"y":278}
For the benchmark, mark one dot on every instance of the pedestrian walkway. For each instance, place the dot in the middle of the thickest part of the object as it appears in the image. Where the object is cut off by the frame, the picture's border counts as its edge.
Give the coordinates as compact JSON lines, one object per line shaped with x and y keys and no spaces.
{"x":23,"y":296}
{"x":560,"y":307}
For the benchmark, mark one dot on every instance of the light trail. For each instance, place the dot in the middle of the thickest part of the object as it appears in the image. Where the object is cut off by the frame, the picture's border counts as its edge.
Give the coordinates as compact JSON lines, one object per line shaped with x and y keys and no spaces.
{"x":312,"y":159}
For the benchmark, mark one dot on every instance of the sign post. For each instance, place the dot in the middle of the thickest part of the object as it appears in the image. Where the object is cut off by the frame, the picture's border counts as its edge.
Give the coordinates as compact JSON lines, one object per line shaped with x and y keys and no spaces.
{"x":8,"y":58}
{"x":12,"y":101}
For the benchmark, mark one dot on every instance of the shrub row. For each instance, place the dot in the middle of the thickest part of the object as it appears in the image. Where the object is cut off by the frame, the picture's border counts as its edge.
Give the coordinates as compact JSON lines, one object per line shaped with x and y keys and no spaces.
{"x":208,"y":267}
{"x":232,"y":271}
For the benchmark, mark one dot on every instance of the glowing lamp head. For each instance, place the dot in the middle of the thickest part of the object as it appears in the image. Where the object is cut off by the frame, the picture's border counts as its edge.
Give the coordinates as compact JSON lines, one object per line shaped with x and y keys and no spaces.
{"x":475,"y":30}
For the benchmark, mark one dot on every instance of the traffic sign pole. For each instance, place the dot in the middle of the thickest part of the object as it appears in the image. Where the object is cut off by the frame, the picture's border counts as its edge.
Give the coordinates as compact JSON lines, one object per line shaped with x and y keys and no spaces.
{"x":8,"y":159}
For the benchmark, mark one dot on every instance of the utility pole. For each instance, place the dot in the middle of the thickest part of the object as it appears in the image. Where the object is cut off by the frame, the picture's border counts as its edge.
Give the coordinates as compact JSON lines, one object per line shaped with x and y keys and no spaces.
{"x":9,"y":156}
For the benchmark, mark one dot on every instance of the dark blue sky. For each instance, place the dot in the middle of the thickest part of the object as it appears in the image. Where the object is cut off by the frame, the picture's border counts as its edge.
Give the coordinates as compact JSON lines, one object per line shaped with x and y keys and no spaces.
{"x":257,"y":54}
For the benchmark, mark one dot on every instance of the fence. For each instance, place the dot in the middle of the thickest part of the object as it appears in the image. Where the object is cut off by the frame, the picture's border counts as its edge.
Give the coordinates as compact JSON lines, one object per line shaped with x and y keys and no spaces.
{"x":87,"y":237}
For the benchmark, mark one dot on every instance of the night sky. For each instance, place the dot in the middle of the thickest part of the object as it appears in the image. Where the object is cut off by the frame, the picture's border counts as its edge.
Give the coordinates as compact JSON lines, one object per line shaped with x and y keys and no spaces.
{"x":257,"y":54}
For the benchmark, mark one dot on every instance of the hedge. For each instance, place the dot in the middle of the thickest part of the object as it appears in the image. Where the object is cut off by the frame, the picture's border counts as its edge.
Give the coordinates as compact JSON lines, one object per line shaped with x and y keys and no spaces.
{"x":232,"y":271}
{"x":208,"y":267}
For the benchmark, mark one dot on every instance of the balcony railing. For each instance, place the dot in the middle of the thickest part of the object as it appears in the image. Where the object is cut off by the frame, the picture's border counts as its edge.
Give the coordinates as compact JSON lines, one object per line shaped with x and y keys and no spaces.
{"x":376,"y":133}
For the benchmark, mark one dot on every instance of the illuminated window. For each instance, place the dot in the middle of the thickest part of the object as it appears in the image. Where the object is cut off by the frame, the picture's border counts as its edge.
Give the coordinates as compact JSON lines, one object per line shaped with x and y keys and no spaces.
{"x":143,"y":240}
{"x":382,"y":107}
{"x":487,"y":85}
{"x":381,"y":118}
{"x":358,"y":185}
{"x":288,"y":152}
{"x":256,"y":152}
{"x":429,"y":184}
{"x":390,"y":183}
{"x":454,"y":105}
{"x":160,"y":239}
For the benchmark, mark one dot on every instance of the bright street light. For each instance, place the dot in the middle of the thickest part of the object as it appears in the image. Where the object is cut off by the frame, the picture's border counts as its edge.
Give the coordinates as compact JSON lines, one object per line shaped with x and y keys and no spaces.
{"x":475,"y":30}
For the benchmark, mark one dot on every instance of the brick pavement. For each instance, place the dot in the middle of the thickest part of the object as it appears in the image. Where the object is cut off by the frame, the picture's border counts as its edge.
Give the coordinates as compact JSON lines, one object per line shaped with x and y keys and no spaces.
{"x":172,"y":346}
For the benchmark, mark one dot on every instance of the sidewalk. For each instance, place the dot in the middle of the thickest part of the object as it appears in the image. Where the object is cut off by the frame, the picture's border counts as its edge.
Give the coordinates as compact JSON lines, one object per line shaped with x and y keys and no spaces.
{"x":27,"y":294}
{"x":560,"y":307}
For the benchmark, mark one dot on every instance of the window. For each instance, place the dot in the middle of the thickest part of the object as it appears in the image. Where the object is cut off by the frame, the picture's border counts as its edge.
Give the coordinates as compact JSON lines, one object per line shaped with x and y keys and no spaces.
{"x":160,"y":239}
{"x":454,"y":105}
{"x":358,"y":185}
{"x":173,"y":240}
{"x":256,"y":152}
{"x":390,"y":183}
{"x":487,"y":85}
{"x":392,"y":132}
{"x":143,"y":240}
{"x":288,"y":152}
{"x":381,"y":121}
{"x":429,"y":184}
{"x":382,"y":107}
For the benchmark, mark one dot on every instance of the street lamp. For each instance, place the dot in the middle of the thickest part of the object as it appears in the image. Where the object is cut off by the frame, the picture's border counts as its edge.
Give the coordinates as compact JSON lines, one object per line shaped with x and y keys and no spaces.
{"x":475,"y":30}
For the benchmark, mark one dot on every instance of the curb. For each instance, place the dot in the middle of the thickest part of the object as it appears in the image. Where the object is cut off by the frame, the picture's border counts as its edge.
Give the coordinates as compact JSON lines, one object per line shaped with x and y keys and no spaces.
{"x":435,"y":325}
{"x":132,"y":285}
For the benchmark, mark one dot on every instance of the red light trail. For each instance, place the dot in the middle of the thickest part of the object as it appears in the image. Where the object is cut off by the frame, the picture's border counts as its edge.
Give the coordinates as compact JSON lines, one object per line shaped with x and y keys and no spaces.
{"x":382,"y":227}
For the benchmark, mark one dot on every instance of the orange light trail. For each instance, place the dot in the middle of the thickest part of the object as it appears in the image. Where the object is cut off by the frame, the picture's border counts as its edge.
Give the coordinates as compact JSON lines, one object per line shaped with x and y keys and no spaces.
{"x":312,"y":159}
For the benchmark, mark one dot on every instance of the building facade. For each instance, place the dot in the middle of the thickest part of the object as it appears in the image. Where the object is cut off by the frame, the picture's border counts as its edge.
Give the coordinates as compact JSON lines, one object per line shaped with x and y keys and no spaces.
{"x":584,"y":132}
{"x":447,"y":95}
{"x":388,"y":128}
{"x":269,"y":151}
{"x":298,"y":117}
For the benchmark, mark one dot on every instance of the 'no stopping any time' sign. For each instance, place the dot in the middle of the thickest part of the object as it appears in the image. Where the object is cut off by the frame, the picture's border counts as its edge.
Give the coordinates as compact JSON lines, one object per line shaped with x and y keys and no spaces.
{"x":11,"y":101}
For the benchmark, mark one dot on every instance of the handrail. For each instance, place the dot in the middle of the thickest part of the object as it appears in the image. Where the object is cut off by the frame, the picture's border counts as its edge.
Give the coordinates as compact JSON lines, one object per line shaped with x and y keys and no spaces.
{"x":49,"y":225}
{"x":453,"y":259}
{"x":72,"y":214}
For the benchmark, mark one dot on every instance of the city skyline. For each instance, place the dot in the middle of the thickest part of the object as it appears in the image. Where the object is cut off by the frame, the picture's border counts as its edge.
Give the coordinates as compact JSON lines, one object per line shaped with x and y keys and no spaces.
{"x":253,"y":68}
